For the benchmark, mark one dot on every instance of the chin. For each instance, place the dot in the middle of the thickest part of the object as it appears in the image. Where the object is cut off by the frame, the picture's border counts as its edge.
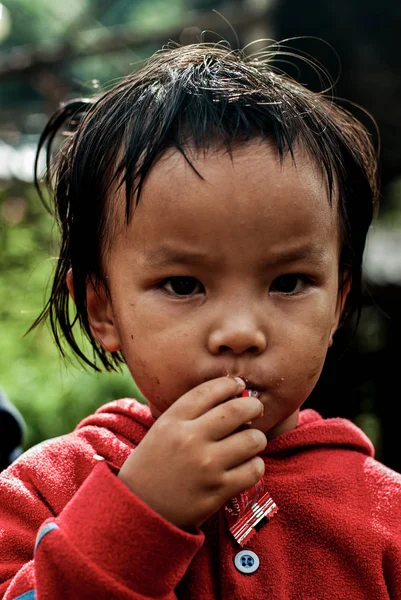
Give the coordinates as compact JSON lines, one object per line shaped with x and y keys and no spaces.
{"x":283,"y":426}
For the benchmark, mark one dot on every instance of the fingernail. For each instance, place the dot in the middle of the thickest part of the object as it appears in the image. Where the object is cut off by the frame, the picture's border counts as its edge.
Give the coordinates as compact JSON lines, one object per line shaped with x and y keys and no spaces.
{"x":240,"y":381}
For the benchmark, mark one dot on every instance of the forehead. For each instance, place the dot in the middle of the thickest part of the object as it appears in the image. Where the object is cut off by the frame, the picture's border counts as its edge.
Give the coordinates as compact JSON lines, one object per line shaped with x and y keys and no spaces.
{"x":248,"y":199}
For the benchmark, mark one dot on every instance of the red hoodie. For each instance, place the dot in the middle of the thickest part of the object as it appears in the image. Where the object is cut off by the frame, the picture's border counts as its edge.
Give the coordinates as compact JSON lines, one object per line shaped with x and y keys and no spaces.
{"x":337,"y":534}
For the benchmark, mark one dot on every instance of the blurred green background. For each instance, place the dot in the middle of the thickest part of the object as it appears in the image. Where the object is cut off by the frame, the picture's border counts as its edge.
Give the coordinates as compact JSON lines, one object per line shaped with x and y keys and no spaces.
{"x":52,"y":51}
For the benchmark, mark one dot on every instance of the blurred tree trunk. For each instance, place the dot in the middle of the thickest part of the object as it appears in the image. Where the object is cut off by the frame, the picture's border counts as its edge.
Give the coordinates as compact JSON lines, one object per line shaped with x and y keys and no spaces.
{"x":365,"y":34}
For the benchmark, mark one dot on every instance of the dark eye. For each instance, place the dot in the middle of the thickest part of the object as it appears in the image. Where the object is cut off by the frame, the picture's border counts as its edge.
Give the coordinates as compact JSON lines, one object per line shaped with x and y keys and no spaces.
{"x":289,"y":284}
{"x":182,"y":286}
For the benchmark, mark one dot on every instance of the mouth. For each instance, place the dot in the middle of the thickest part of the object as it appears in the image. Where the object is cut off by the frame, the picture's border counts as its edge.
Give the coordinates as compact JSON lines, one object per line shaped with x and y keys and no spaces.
{"x":252,"y":388}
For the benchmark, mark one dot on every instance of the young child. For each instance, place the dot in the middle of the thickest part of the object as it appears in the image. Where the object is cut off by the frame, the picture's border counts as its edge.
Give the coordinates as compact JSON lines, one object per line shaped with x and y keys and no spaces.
{"x":213,"y":216}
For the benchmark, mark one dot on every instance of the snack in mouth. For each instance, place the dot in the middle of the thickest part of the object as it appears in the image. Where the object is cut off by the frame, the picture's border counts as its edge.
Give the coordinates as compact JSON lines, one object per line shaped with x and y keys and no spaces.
{"x":249,"y":392}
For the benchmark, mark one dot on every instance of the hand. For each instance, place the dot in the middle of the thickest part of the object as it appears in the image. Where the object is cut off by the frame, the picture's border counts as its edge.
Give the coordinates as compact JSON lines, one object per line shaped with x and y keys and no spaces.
{"x":193,"y":459}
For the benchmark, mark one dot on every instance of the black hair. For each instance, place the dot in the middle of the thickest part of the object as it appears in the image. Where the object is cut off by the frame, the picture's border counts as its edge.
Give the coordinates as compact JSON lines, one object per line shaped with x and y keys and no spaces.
{"x":190,"y":96}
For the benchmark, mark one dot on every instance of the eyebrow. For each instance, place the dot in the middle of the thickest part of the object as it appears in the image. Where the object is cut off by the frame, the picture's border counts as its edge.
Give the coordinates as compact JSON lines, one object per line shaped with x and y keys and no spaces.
{"x":315,"y":254}
{"x":165,"y":256}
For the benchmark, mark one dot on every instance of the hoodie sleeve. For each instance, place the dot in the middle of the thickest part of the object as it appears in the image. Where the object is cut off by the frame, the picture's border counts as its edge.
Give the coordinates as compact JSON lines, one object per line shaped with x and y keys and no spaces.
{"x":392,"y":570}
{"x":104,"y":543}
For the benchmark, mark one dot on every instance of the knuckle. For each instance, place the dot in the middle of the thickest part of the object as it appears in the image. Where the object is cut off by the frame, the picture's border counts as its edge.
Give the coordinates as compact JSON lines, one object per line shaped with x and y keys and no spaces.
{"x":164,"y":425}
{"x":186,"y":439}
{"x":206,"y":464}
{"x":236,"y":408}
{"x":248,"y":440}
{"x":165,"y":421}
{"x":256,"y":406}
{"x":203,"y":392}
{"x":245,"y":410}
{"x":259,"y":439}
{"x":177,"y":432}
{"x":257,"y":468}
{"x":255,"y":439}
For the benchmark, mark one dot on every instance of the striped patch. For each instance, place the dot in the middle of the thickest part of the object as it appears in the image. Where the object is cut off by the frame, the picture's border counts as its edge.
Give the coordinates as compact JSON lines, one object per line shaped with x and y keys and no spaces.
{"x":264,"y":509}
{"x":245,"y":517}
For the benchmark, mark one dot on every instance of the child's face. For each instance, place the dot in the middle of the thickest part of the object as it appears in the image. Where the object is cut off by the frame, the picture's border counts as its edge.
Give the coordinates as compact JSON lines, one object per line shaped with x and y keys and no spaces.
{"x":233,"y":274}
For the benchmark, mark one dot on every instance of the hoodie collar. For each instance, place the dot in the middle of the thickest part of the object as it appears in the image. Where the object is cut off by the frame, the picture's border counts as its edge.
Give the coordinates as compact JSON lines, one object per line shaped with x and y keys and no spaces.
{"x":130,"y":419}
{"x":313,"y":430}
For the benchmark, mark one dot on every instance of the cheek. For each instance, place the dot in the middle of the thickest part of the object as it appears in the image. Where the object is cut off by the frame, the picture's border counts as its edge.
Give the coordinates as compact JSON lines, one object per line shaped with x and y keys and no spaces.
{"x":297,"y":380}
{"x":307,"y":347}
{"x":150,"y":381}
{"x":315,"y":368}
{"x":305,"y":368}
{"x":160,"y":361}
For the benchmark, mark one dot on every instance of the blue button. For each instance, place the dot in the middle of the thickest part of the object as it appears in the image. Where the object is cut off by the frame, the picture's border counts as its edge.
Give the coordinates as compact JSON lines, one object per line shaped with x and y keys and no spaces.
{"x":246,"y":561}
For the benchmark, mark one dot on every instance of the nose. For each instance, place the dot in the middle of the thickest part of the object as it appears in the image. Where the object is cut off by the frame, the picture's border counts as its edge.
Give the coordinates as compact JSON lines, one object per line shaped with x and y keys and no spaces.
{"x":237,"y":333}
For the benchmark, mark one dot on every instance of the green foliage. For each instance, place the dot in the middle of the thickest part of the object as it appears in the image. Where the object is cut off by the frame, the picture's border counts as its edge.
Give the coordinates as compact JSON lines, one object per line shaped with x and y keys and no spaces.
{"x":51,"y":24}
{"x":41,"y":20}
{"x":52,"y":395}
{"x":157,"y":14}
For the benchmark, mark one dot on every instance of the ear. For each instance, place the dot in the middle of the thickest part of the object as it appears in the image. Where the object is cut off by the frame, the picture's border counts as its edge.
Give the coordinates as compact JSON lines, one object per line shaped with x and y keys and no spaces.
{"x":341,"y":300}
{"x":100,"y":314}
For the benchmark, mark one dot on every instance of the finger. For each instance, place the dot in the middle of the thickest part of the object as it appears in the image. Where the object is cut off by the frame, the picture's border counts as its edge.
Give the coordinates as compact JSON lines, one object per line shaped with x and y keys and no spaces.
{"x":239,"y":448}
{"x":224,"y":419}
{"x":205,"y":396}
{"x":243,"y":476}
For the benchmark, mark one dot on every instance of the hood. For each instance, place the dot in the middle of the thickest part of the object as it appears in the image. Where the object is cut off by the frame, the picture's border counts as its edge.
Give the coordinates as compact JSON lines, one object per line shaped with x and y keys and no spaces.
{"x":126,"y":418}
{"x":313,"y":430}
{"x":129,"y":419}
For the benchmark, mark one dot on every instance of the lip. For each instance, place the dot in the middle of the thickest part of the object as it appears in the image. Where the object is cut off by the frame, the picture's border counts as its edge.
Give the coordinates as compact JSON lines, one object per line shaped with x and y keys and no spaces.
{"x":251,"y":385}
